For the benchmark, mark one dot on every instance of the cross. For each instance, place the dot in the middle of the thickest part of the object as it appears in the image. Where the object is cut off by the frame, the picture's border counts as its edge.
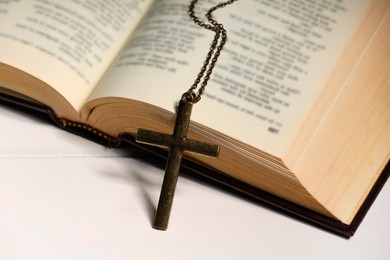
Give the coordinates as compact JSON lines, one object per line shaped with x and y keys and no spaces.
{"x":177,"y":144}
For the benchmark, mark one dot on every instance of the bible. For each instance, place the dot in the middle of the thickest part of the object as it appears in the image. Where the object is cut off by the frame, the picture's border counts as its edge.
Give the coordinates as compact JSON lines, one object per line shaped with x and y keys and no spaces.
{"x":298,"y":102}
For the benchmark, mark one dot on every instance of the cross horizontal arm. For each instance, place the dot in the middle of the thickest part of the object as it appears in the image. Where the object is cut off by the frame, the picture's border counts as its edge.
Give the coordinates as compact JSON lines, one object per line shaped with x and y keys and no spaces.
{"x":202,"y":148}
{"x":164,"y":140}
{"x":153,"y":138}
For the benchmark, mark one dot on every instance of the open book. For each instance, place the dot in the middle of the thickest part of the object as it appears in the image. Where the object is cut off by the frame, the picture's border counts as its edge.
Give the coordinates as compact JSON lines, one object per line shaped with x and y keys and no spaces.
{"x":299,"y":101}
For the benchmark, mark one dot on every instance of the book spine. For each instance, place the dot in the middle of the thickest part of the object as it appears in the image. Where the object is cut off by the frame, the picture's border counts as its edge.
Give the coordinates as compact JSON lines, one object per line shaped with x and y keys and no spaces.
{"x":90,"y":132}
{"x":17,"y":101}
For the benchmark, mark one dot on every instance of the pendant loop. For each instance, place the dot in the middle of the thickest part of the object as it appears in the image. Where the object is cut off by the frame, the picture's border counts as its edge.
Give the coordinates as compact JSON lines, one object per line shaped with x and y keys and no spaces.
{"x":190,"y":97}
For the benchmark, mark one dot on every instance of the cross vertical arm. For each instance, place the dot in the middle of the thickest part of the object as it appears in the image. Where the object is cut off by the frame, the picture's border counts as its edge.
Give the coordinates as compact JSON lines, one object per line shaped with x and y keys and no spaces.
{"x":177,"y":143}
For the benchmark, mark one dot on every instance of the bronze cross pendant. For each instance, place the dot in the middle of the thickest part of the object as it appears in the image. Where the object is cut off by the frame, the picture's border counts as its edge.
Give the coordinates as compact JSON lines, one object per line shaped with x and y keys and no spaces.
{"x":177,"y":144}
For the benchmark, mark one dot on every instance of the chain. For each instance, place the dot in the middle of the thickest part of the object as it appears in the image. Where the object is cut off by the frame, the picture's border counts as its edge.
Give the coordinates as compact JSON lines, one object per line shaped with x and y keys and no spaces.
{"x":213,"y":53}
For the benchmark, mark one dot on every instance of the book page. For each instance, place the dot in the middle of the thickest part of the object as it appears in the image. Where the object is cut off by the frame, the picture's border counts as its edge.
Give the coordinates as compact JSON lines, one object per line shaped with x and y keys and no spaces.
{"x":67,"y":44}
{"x":274,"y":65}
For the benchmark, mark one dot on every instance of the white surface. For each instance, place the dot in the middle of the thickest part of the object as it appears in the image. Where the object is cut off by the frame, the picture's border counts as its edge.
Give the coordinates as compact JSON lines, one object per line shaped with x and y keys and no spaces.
{"x":63,"y":197}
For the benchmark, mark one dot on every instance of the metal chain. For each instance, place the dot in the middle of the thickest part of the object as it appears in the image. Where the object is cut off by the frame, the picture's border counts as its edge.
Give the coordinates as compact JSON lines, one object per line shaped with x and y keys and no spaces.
{"x":214,"y":51}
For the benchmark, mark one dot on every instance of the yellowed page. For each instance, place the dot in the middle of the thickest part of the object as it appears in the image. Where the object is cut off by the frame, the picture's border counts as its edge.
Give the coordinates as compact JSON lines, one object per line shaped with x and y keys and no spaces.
{"x":274,"y":65}
{"x":67,"y":44}
{"x":349,"y":146}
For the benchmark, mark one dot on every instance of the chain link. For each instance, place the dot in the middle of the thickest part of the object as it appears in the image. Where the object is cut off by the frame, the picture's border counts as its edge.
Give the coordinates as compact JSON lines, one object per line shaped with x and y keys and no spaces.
{"x":213,"y":53}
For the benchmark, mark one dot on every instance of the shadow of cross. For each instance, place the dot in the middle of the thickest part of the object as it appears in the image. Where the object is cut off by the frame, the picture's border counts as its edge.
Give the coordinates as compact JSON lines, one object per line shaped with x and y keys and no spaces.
{"x":177,"y":144}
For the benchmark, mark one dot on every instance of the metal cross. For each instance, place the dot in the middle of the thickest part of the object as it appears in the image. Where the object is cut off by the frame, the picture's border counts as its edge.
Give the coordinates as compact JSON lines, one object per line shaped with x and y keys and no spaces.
{"x":177,"y":144}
